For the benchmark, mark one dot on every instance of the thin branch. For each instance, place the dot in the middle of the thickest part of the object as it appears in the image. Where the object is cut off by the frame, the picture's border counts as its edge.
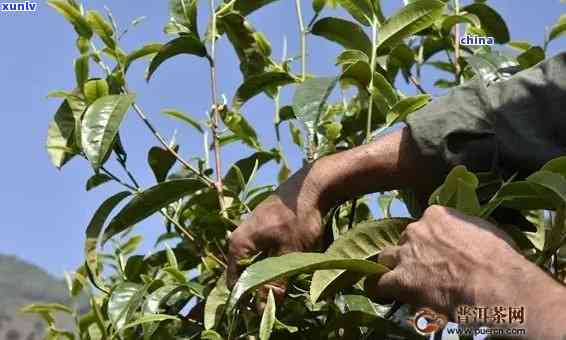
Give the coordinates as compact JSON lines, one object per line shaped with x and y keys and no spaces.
{"x":374,"y":25}
{"x":457,"y":69}
{"x":150,"y":126}
{"x":417,"y":84}
{"x":352,"y":217}
{"x":303,"y":34}
{"x":122,"y":162}
{"x":166,"y":145}
{"x":215,"y":111}
{"x":117,"y":180}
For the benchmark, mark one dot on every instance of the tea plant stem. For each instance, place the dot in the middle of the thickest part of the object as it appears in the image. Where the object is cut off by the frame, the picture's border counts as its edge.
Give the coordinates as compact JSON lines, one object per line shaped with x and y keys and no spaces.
{"x":303,"y":35}
{"x":457,"y":69}
{"x":164,"y":143}
{"x":277,"y":119}
{"x":150,"y":126}
{"x":136,"y":189}
{"x":117,"y":180}
{"x":352,"y":217}
{"x":122,"y":162}
{"x":215,"y":111}
{"x":374,"y":25}
{"x":417,"y":84}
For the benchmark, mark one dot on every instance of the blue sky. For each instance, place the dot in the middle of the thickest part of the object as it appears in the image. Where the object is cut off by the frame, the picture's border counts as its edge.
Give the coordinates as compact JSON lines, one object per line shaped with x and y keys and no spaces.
{"x":44,"y":211}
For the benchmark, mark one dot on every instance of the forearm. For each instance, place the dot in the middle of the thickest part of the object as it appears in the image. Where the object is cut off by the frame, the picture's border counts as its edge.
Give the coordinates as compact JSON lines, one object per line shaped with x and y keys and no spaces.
{"x":393,"y":161}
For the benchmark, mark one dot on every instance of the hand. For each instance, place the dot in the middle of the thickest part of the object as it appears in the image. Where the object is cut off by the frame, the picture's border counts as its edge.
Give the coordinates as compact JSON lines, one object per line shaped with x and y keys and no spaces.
{"x":448,"y":259}
{"x":289,"y":220}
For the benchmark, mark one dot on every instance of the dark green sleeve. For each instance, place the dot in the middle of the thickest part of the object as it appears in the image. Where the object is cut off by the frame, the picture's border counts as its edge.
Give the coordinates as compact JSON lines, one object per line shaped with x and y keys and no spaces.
{"x":513,"y":126}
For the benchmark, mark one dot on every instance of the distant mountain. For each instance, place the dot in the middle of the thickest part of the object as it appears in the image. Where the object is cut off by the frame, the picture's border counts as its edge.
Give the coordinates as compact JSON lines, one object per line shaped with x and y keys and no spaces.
{"x":22,"y":283}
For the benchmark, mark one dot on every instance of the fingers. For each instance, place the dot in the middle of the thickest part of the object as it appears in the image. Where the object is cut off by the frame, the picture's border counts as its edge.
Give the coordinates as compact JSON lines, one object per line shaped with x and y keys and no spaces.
{"x":240,"y":248}
{"x":389,"y":257}
{"x":384,"y":289}
{"x":381,"y":289}
{"x":243,"y":246}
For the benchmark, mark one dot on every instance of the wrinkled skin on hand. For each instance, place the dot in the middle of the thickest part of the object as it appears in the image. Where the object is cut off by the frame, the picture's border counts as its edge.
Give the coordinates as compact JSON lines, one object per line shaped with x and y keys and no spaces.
{"x":447,"y":259}
{"x":290,"y":220}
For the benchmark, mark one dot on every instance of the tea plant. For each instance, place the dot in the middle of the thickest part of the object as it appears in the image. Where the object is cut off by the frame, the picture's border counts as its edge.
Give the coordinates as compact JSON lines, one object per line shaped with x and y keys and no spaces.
{"x":180,"y":292}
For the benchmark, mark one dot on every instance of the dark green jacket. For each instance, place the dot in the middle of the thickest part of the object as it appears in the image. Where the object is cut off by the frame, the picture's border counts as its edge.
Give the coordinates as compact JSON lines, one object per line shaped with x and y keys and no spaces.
{"x":513,"y":126}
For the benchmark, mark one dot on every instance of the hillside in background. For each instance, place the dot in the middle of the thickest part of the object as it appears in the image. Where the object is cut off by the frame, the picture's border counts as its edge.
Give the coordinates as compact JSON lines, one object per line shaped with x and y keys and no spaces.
{"x":22,"y":283}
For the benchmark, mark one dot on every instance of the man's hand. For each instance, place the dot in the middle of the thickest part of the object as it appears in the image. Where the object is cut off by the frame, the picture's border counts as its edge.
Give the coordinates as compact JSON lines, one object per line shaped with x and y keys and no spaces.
{"x":447,"y":259}
{"x":290,"y":220}
{"x":287,"y":221}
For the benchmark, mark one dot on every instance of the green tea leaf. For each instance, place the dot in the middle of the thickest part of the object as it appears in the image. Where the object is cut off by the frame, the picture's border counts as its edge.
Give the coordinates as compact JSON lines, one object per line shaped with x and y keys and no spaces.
{"x":161,"y":161}
{"x":246,"y":7}
{"x":346,"y":33}
{"x":531,"y":57}
{"x":100,"y":126}
{"x":296,"y":135}
{"x":94,"y":89}
{"x":94,"y":229}
{"x":184,"y":12}
{"x":242,"y":36}
{"x":361,"y":10}
{"x":268,"y":318}
{"x":257,"y":84}
{"x":216,"y":303}
{"x":236,"y":123}
{"x":520,"y":45}
{"x":552,"y":181}
{"x":149,"y":318}
{"x":82,"y":70}
{"x":409,"y":20}
{"x":523,"y":195}
{"x":362,"y":242}
{"x":557,"y":165}
{"x":73,"y":15}
{"x":493,"y":66}
{"x":103,"y":29}
{"x":39,"y":308}
{"x":121,"y":302}
{"x":97,"y":180}
{"x":558,"y":29}
{"x":348,"y":57}
{"x":146,"y":50}
{"x":185,"y":44}
{"x":150,"y":201}
{"x":310,"y":98}
{"x":184,"y":118}
{"x":381,"y":86}
{"x":291,"y":264}
{"x":245,"y":168}
{"x":60,"y":136}
{"x":209,"y":334}
{"x":451,"y":20}
{"x":458,"y":191}
{"x":491,"y":22}
{"x":404,"y":107}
